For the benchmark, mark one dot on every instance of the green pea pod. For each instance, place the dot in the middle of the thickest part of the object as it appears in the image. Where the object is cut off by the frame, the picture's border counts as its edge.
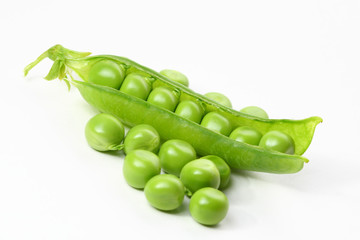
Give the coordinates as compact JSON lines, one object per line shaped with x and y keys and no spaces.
{"x":133,"y":111}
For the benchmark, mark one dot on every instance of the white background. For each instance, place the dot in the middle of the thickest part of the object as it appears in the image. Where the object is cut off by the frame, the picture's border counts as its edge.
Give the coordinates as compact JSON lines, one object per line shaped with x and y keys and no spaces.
{"x":293,"y":58}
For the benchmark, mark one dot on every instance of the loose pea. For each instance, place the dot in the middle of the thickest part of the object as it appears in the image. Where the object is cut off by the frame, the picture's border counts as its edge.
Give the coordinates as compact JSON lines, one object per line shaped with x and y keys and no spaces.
{"x":142,"y":136}
{"x":163,"y":97}
{"x":278,"y":141}
{"x":219,"y":98}
{"x":247,"y":135}
{"x":208,"y":206}
{"x":165,"y":192}
{"x":175,"y":76}
{"x":174,"y":154}
{"x":255,"y":111}
{"x":139,"y":167}
{"x":136,"y":85}
{"x":107,"y":73}
{"x":190,"y":110}
{"x":223,"y":169}
{"x":198,"y":174}
{"x":217,"y":123}
{"x":104,"y":132}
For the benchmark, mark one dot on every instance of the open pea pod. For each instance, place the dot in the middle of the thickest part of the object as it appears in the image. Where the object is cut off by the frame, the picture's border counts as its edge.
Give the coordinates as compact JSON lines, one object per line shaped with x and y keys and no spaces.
{"x":133,"y":111}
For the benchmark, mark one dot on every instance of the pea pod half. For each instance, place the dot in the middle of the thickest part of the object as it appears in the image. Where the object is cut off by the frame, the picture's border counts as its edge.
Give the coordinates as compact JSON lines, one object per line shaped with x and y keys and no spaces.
{"x":133,"y":111}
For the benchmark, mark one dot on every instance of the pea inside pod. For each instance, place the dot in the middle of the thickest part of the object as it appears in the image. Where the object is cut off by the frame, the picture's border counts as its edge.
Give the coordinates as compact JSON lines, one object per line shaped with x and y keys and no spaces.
{"x":190,"y":110}
{"x":220,"y":98}
{"x":255,"y":111}
{"x":107,"y":73}
{"x":164,"y":98}
{"x":136,"y":85}
{"x":247,"y":135}
{"x":175,"y":76}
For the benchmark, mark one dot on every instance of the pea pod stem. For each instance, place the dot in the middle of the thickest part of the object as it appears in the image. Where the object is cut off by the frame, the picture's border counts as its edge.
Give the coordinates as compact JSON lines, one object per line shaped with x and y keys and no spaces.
{"x":133,"y":111}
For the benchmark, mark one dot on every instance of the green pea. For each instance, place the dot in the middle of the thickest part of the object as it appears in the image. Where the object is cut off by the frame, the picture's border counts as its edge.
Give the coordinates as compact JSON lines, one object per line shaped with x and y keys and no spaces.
{"x":104,"y":132}
{"x":107,"y":73}
{"x":142,"y":136}
{"x":174,"y":154}
{"x":163,"y":97}
{"x":247,"y":135}
{"x":208,"y":206}
{"x":165,"y":192}
{"x":278,"y":141}
{"x":219,"y":98}
{"x":223,"y":169}
{"x":217,"y":123}
{"x":139,"y":167}
{"x":175,"y":76}
{"x":255,"y":111}
{"x":190,"y":110}
{"x":198,"y":174}
{"x":136,"y":85}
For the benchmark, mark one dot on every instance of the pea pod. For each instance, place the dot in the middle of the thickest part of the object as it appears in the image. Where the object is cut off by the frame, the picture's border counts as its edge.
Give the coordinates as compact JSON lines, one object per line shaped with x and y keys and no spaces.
{"x":133,"y":111}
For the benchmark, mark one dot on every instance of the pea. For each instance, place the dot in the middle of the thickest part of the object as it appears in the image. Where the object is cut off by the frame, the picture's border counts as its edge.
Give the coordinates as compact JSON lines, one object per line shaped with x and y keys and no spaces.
{"x":174,"y":154}
{"x":165,"y":192}
{"x":278,"y":141}
{"x":139,"y":167}
{"x":255,"y":111}
{"x":175,"y":76}
{"x":107,"y":73}
{"x":190,"y":110}
{"x":198,"y":174}
{"x":104,"y":132}
{"x":219,"y":98}
{"x":222,"y":167}
{"x":209,"y":206}
{"x":136,"y":85}
{"x":247,"y":135}
{"x":217,"y":123}
{"x":163,"y":97}
{"x":142,"y":136}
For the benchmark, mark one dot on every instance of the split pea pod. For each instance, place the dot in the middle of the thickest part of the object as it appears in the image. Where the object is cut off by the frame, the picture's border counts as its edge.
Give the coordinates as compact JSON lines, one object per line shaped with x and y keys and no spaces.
{"x":133,"y":111}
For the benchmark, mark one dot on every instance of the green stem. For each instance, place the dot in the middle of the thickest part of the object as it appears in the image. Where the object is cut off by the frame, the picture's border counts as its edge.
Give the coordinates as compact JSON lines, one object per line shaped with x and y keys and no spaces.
{"x":116,"y":147}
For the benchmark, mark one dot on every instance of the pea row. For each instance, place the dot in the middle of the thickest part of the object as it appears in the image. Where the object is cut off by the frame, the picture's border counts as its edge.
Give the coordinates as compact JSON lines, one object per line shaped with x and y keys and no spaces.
{"x":185,"y":173}
{"x":141,"y":86}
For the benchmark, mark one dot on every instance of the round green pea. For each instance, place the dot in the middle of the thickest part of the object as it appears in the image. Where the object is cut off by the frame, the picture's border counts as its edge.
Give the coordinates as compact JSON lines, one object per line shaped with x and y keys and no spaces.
{"x":174,"y":154}
{"x":104,"y":132}
{"x":217,"y":123}
{"x":136,"y":85}
{"x":255,"y":111}
{"x":190,"y":110}
{"x":175,"y":76}
{"x":164,"y":98}
{"x":223,"y":169}
{"x":107,"y":73}
{"x":247,"y":135}
{"x":139,"y":167}
{"x":198,"y":174}
{"x":142,"y":136}
{"x":278,"y":141}
{"x":165,"y":192}
{"x":208,"y":206}
{"x":219,"y":98}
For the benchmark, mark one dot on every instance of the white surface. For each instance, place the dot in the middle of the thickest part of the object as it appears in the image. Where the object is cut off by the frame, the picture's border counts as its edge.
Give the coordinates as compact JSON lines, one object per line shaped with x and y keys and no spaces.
{"x":293,"y":58}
